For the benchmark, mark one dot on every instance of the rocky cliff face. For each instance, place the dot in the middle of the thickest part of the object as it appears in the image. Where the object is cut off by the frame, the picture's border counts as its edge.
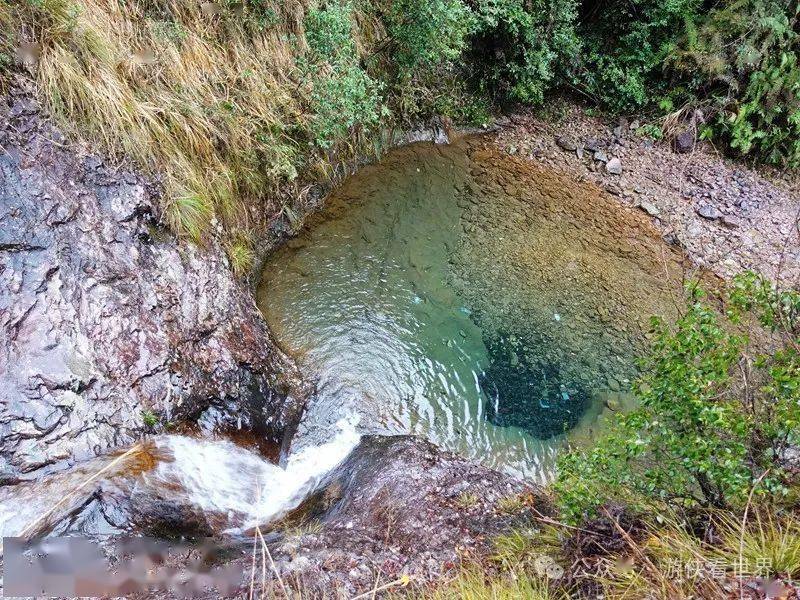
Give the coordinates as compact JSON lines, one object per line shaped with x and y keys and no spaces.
{"x":104,"y":315}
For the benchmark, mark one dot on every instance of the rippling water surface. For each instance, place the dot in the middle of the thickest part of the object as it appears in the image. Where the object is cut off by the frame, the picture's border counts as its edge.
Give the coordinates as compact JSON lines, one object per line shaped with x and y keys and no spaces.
{"x":448,"y":291}
{"x":407,"y":300}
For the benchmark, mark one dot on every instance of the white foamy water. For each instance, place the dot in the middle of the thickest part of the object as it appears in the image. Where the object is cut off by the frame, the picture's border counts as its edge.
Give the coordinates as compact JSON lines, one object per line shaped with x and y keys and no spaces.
{"x":221,"y":477}
{"x":212,"y":475}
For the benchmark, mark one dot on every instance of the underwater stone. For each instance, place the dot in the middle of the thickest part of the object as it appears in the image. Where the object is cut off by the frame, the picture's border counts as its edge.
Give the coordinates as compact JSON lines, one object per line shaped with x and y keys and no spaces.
{"x":530,"y":394}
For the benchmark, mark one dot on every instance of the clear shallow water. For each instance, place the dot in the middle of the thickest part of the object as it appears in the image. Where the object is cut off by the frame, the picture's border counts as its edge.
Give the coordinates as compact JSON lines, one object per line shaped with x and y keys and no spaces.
{"x":451,"y":292}
{"x":391,"y":300}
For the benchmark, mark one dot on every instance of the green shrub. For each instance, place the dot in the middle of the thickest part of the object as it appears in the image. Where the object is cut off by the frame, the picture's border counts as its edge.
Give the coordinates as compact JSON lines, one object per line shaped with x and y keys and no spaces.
{"x":736,"y":60}
{"x":767,"y":120}
{"x":713,"y":418}
{"x":426,"y":33}
{"x":343,"y":95}
{"x":626,"y":44}
{"x":743,"y":57}
{"x":520,"y":47}
{"x":506,"y":50}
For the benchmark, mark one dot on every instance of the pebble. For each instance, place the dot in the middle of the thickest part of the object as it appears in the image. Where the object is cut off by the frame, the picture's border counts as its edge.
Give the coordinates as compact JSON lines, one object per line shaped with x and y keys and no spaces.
{"x":650,"y":209}
{"x":614,"y":166}
{"x":709,"y":212}
{"x":566,"y":143}
{"x":731,"y":222}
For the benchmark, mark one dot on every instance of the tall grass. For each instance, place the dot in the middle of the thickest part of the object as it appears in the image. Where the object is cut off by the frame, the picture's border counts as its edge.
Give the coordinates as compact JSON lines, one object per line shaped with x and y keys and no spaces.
{"x":208,"y":96}
{"x":202,"y":96}
{"x":474,"y":584}
{"x":674,"y":562}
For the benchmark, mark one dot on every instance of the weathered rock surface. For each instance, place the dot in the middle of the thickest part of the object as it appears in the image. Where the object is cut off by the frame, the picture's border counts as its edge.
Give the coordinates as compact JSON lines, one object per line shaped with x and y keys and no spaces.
{"x":396,"y":506}
{"x":404,"y":507}
{"x":104,"y":315}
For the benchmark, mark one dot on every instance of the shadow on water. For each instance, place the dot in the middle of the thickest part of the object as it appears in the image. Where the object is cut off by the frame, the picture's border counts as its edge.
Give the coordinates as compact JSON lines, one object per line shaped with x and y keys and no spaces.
{"x":531,"y":395}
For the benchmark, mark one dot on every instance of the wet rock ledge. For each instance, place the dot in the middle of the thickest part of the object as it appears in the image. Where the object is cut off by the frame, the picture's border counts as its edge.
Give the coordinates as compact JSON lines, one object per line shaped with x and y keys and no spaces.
{"x":398,"y":506}
{"x":106,"y":318}
{"x":398,"y":509}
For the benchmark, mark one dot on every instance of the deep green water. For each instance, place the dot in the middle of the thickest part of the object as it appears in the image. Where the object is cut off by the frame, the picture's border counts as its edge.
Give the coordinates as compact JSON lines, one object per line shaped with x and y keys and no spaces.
{"x":415,"y":313}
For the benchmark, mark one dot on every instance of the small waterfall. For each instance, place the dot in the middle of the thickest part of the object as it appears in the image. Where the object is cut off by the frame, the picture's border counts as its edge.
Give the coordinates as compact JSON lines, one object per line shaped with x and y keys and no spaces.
{"x":236,"y":485}
{"x":221,"y":477}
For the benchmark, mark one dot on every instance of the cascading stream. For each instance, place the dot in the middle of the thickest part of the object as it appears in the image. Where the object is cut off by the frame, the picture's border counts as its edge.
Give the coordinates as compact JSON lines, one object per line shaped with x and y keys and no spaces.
{"x":448,"y":291}
{"x":232,"y":486}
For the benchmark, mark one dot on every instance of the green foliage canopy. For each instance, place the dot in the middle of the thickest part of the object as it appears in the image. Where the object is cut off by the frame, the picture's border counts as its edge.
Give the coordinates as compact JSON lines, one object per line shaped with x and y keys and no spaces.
{"x":716,"y":418}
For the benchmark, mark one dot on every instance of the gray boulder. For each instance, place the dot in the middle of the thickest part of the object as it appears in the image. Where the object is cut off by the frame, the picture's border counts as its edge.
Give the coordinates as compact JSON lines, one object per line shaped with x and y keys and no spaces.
{"x":684,"y":142}
{"x":614,"y":166}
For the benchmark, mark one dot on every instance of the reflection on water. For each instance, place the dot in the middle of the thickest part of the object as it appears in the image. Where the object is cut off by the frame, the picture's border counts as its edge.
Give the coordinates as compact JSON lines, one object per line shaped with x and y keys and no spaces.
{"x":391,"y":300}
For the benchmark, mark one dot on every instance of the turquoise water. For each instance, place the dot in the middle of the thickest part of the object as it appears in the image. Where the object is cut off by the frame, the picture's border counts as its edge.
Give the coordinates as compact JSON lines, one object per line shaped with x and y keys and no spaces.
{"x":388,"y":300}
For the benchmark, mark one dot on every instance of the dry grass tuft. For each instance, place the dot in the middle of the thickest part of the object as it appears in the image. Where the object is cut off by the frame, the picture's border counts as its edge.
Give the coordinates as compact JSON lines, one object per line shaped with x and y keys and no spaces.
{"x":208,"y":96}
{"x":474,"y":584}
{"x":675,"y":562}
{"x":201,"y":95}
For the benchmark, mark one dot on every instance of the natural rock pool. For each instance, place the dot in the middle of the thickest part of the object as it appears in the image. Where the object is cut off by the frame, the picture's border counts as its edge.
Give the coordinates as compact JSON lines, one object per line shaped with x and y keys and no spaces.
{"x":470,"y":297}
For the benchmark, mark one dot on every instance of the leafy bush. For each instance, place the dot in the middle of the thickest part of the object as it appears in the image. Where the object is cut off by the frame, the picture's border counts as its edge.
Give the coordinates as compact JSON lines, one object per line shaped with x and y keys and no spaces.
{"x":521,"y":47}
{"x":626,"y":44}
{"x":737,"y":61}
{"x":343,"y":95}
{"x":715,"y":420}
{"x":509,"y":50}
{"x":743,"y":58}
{"x":425,"y":33}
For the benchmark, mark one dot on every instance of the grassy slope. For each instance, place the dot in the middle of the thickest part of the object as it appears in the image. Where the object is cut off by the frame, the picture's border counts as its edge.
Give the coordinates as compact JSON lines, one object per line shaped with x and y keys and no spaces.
{"x":207,"y":95}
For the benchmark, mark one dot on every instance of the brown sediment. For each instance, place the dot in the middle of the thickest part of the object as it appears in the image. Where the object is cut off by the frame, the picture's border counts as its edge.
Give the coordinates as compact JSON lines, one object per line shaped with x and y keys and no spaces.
{"x":578,"y":278}
{"x":571,"y":244}
{"x":751,"y":215}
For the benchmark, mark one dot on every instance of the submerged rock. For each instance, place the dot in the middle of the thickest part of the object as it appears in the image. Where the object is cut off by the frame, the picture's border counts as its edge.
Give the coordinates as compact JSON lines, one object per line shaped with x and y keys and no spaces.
{"x":531,"y":394}
{"x":105,"y":317}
